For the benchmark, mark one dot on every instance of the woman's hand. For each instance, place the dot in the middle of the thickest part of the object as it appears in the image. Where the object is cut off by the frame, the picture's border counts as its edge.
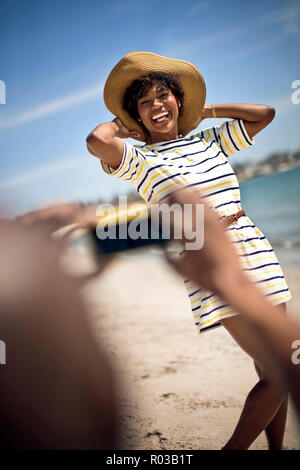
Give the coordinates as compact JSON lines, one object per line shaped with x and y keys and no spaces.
{"x":122,"y":131}
{"x":206,"y":113}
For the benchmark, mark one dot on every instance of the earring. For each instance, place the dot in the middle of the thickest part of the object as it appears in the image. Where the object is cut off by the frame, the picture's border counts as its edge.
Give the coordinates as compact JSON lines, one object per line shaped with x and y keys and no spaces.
{"x":139,"y":120}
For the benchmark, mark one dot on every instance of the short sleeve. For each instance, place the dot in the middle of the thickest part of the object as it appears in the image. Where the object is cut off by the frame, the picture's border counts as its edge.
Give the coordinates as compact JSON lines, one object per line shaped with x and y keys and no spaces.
{"x":231,"y":136}
{"x":131,"y":160}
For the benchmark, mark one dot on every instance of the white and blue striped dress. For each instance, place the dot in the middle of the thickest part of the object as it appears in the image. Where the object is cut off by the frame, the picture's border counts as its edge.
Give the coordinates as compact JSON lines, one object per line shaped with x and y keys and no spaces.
{"x":200,"y":163}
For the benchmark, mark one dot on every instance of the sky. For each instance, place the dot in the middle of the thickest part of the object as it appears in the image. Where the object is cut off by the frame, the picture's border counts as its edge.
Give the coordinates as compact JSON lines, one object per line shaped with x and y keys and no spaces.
{"x":56,"y":56}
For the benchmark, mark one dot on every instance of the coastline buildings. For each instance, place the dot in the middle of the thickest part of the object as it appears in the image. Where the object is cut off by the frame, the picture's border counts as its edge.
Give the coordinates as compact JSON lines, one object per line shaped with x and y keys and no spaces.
{"x":274,"y":163}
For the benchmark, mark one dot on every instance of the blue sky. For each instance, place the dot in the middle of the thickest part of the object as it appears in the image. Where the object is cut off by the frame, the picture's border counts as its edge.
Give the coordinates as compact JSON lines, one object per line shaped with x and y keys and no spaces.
{"x":56,"y":56}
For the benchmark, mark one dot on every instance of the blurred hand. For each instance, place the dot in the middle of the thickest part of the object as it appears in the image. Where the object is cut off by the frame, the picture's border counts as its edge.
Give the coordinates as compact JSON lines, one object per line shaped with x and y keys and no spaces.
{"x":62,"y":221}
{"x":54,"y":216}
{"x":58,"y":390}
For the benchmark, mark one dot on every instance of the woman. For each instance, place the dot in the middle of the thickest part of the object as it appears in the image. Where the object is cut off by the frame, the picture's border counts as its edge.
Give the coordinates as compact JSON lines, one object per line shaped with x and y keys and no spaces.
{"x":159,"y":100}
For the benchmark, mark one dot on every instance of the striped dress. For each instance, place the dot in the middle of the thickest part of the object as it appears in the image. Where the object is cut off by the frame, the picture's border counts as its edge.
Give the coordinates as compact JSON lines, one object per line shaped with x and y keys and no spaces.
{"x":200,"y":162}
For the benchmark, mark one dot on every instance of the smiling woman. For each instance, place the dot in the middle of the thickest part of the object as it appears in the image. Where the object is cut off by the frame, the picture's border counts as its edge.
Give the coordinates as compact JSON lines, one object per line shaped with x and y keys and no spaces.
{"x":154,"y":99}
{"x":158,"y":112}
{"x":158,"y":101}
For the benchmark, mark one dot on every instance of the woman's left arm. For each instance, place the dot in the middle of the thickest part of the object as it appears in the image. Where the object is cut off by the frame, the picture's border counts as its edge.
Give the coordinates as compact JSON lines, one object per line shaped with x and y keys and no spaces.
{"x":254,"y":116}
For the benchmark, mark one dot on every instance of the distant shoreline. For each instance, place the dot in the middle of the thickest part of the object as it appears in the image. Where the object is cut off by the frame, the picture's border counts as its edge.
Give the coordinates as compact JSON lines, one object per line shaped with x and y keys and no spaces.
{"x":263,"y":169}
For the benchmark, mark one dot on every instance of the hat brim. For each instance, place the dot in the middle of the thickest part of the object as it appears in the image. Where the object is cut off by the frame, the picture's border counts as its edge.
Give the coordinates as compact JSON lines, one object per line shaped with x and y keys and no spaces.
{"x":137,"y":64}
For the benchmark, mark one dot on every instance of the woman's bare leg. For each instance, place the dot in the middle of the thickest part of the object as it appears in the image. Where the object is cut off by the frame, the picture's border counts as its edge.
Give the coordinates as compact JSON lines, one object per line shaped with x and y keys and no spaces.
{"x":264,"y":400}
{"x":275,"y":429}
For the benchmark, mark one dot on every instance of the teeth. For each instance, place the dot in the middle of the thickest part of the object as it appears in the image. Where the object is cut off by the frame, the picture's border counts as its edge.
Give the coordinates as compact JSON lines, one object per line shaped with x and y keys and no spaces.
{"x":157,"y":116}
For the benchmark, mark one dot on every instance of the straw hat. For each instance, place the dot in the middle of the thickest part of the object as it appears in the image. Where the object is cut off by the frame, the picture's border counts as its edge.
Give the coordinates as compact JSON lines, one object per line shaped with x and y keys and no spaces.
{"x":137,"y":64}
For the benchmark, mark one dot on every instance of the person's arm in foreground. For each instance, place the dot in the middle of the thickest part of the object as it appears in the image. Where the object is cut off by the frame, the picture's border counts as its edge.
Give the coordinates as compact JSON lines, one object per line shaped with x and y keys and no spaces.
{"x":53,"y":217}
{"x":255,"y":116}
{"x":58,"y":390}
{"x":216,"y":267}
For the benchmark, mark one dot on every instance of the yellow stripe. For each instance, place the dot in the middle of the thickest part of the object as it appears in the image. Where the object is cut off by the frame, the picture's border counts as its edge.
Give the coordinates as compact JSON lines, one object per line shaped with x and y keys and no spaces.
{"x":265,"y":272}
{"x":199,"y":314}
{"x":207,"y":138}
{"x":193,"y":285}
{"x":196,"y":300}
{"x":232,"y":311}
{"x":285,"y":297}
{"x":236,"y":134}
{"x":282,"y":283}
{"x":152,"y":178}
{"x":211,"y":303}
{"x":183,"y":180}
{"x":217,"y":316}
{"x":215,"y":186}
{"x":138,"y":174}
{"x":235,"y":234}
{"x":211,"y":201}
{"x":124,"y":167}
{"x":141,"y":169}
{"x":266,"y":245}
{"x":131,"y":171}
{"x":223,"y":137}
{"x":256,"y":259}
{"x":244,"y":247}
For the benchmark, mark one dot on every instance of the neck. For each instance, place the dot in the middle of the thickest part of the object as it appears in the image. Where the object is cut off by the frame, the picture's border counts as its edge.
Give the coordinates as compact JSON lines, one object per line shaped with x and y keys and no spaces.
{"x":157,"y":137}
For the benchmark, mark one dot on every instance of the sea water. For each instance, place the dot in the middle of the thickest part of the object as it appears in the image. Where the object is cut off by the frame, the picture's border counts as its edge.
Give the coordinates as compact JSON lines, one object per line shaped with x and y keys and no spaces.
{"x":273,"y":203}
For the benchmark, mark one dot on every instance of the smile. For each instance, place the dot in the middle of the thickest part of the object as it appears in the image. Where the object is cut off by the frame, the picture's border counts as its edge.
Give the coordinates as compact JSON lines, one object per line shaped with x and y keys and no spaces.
{"x":160,"y":117}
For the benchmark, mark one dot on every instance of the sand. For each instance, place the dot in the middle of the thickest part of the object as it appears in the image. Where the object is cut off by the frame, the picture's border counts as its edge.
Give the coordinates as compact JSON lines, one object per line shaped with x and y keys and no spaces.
{"x":178,"y":390}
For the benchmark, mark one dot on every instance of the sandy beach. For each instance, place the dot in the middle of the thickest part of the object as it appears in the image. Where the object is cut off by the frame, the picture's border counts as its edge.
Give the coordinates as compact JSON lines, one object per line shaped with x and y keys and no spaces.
{"x":178,"y":390}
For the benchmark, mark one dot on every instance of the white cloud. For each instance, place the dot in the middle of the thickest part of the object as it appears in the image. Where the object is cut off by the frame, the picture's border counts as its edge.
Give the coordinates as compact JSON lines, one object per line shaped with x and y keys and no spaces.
{"x":54,"y":106}
{"x":288,"y":16}
{"x":41,"y":173}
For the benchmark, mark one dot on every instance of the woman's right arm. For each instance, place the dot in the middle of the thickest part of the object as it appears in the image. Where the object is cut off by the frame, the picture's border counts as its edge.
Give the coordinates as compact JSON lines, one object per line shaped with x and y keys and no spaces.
{"x":105,"y":142}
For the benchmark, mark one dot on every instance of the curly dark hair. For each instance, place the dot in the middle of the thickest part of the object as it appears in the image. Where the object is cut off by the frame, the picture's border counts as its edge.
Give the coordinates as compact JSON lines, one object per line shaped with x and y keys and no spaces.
{"x":141,"y":86}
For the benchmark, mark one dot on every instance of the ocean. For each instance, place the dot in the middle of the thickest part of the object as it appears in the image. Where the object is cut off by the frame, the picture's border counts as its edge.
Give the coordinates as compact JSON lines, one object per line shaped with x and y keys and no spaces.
{"x":273,"y":203}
